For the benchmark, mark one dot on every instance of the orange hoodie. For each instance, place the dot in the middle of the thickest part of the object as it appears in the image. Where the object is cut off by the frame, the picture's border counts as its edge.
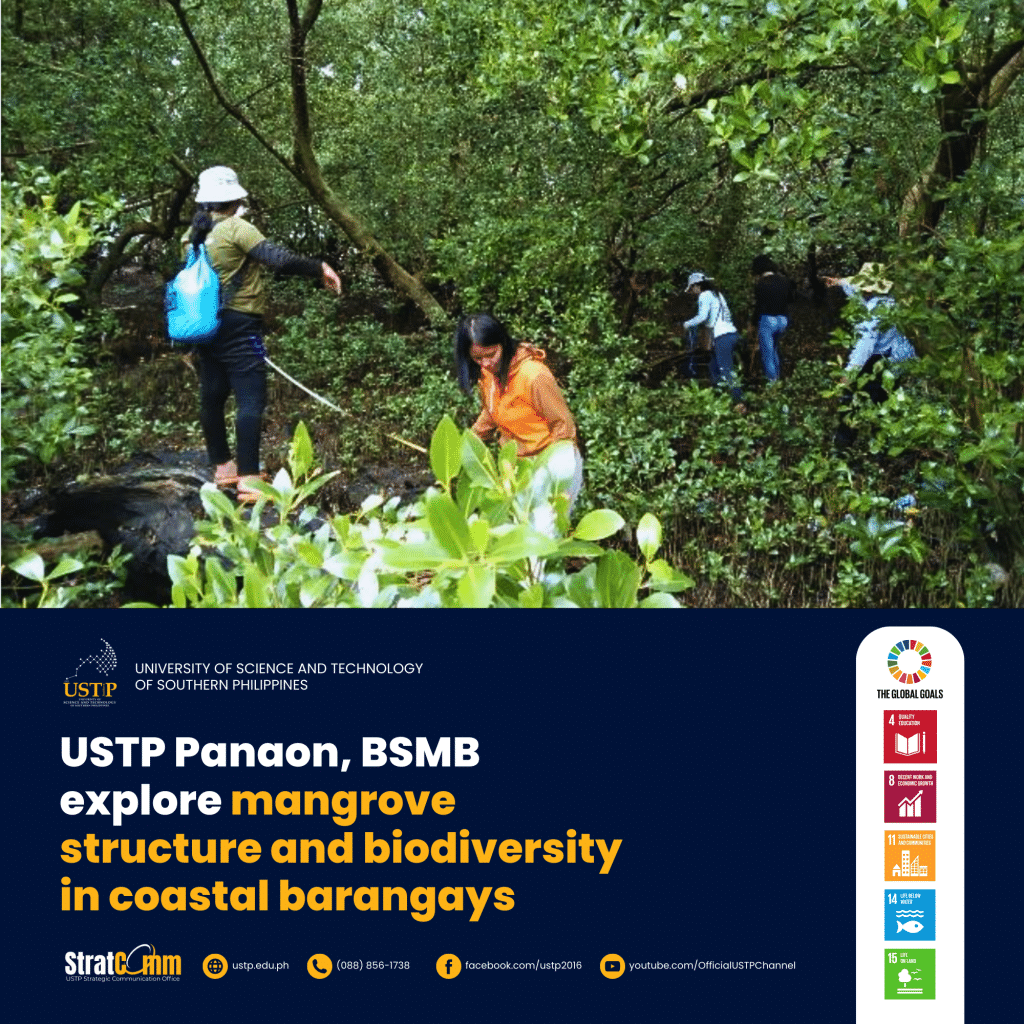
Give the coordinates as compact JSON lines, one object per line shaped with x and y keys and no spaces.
{"x":530,"y":410}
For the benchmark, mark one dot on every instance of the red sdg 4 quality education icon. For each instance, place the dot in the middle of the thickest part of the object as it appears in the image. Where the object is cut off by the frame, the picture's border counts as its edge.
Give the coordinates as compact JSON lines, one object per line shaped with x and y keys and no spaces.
{"x":911,"y":737}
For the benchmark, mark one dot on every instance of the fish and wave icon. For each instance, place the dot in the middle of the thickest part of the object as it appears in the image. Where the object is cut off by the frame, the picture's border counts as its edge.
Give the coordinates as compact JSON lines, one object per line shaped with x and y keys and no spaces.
{"x":909,"y":921}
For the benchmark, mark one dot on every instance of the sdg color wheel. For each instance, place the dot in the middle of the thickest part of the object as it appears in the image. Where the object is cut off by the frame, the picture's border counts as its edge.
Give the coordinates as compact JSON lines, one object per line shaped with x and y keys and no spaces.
{"x":909,"y":662}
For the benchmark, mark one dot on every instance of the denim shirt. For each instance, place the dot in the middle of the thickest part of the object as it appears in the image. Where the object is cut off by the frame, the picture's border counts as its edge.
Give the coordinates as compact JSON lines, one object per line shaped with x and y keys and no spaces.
{"x":874,"y":339}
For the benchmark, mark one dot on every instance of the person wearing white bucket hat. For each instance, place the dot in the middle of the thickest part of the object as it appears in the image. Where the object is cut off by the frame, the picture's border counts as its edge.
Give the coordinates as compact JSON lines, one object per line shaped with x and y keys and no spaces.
{"x":234,"y":361}
{"x":219,"y":185}
{"x":713,"y":310}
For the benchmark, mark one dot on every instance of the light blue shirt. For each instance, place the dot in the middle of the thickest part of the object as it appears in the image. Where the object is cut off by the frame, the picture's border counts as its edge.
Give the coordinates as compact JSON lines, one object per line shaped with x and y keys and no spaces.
{"x":713,"y":310}
{"x":873,"y":338}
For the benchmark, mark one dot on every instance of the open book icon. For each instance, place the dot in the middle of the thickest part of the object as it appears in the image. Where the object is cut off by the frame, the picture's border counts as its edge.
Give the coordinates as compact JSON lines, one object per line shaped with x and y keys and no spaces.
{"x":910,"y":745}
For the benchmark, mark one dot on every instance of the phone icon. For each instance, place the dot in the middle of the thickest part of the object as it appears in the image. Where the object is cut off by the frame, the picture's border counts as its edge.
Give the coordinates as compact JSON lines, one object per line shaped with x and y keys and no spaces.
{"x":319,"y":966}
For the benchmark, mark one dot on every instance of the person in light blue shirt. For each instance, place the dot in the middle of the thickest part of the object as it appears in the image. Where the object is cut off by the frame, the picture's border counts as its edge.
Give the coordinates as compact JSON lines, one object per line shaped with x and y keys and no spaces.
{"x":875,"y":341}
{"x":713,"y":310}
{"x":870,"y":288}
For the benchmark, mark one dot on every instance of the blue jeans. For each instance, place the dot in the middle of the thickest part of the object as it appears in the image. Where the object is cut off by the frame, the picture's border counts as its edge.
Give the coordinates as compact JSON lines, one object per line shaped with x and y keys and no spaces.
{"x":723,"y":370}
{"x":769,"y":330}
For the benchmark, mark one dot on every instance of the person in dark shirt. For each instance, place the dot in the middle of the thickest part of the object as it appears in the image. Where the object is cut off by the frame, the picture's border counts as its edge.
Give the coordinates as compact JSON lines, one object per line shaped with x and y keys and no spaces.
{"x":771,"y":311}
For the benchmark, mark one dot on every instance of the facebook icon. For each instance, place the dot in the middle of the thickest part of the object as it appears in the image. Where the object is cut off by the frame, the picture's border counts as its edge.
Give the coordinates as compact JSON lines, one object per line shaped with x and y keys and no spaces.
{"x":448,"y":965}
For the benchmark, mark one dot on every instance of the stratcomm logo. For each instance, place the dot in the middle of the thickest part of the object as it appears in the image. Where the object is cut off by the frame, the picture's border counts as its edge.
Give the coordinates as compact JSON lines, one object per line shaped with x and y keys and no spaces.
{"x":83,"y":693}
{"x":143,"y":962}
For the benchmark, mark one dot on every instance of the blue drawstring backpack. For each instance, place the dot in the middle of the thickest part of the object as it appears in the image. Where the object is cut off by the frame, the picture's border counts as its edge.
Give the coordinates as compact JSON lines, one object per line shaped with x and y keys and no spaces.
{"x":192,"y":301}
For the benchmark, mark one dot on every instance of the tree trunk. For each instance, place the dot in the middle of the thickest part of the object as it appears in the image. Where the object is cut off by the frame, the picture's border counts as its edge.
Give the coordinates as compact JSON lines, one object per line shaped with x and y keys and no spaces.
{"x":165,"y":220}
{"x":304,"y":165}
{"x":961,"y":111}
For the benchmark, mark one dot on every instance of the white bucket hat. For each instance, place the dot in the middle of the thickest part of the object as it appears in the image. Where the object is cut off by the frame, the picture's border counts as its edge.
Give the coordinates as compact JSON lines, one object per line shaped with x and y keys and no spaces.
{"x":219,"y":185}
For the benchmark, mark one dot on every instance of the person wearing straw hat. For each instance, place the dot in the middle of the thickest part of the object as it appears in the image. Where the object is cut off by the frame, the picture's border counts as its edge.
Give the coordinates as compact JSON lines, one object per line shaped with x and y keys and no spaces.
{"x":235,"y":360}
{"x":876,"y":339}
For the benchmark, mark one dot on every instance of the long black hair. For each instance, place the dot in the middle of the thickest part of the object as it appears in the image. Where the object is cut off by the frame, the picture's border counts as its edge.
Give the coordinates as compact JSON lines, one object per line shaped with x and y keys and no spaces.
{"x":483,"y":330}
{"x":202,"y":222}
{"x":706,"y":284}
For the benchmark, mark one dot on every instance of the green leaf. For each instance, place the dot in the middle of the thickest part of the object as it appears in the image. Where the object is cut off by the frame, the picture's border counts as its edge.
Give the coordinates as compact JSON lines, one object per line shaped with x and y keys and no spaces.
{"x":521,"y":542}
{"x":413,"y":557}
{"x":659,"y":601}
{"x":256,"y":588}
{"x":31,"y":566}
{"x":476,"y":588}
{"x":480,"y":531}
{"x":314,"y":590}
{"x":578,"y":549}
{"x":478,"y":461}
{"x":582,"y":586}
{"x":597,"y":525}
{"x":309,"y":553}
{"x":449,"y":526}
{"x":224,"y":587}
{"x":617,"y":580}
{"x":648,"y":535}
{"x":446,"y":451}
{"x":532,"y":596}
{"x":66,"y":565}
{"x":346,"y":565}
{"x":468,"y":495}
{"x":664,"y":577}
{"x":180,"y":571}
{"x":216,"y":501}
{"x":300,"y":454}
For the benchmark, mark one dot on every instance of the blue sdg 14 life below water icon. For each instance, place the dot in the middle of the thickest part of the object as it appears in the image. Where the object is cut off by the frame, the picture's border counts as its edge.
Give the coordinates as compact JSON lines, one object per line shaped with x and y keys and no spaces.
{"x":910,"y":914}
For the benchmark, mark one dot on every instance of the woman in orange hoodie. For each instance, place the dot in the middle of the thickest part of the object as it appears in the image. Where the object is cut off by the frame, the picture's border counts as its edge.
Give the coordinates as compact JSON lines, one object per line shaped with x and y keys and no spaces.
{"x":519,"y":396}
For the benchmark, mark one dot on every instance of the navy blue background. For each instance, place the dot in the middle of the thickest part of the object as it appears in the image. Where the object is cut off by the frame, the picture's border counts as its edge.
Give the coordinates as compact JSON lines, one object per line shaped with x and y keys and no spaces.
{"x":705,"y":741}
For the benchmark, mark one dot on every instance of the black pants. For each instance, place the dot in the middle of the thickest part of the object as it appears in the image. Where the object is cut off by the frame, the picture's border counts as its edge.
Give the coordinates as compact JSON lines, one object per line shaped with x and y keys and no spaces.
{"x":233,"y":361}
{"x":870,"y":380}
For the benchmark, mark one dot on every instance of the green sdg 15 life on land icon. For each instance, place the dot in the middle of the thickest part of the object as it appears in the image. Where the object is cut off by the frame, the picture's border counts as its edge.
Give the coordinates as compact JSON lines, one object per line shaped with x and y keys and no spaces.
{"x":909,"y":974}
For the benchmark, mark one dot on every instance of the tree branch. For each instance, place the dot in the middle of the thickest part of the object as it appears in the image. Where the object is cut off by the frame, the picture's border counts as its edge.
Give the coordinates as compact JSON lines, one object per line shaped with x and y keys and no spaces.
{"x":234,"y":110}
{"x":1006,"y":67}
{"x":297,"y":64}
{"x":685,"y":104}
{"x":304,"y":166}
{"x":50,"y":149}
{"x":309,"y":18}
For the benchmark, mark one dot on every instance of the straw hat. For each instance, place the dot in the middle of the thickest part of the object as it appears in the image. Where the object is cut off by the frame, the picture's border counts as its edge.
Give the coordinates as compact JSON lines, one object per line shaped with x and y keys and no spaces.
{"x":870,"y":278}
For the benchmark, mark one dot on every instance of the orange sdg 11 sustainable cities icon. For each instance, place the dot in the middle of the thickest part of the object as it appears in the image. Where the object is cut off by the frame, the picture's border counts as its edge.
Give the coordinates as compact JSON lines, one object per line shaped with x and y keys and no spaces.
{"x":910,"y":856}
